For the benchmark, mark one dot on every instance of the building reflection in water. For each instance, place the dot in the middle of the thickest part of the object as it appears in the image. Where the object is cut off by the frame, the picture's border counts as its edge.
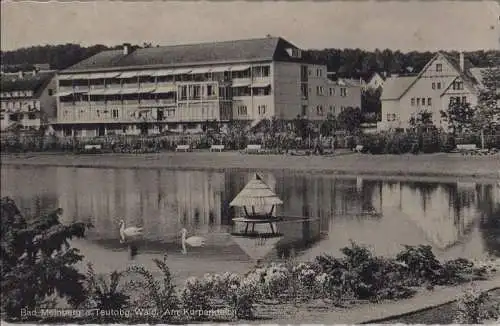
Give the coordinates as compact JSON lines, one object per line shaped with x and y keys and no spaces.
{"x":385,"y":214}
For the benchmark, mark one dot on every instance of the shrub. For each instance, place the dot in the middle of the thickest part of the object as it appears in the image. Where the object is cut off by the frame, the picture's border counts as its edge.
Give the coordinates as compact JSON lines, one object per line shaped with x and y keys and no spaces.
{"x":196,"y":295}
{"x":361,"y":275}
{"x":103,"y":295}
{"x":475,"y":307}
{"x":153,"y":293}
{"x":228,"y":289}
{"x":421,"y":264}
{"x":37,"y":261}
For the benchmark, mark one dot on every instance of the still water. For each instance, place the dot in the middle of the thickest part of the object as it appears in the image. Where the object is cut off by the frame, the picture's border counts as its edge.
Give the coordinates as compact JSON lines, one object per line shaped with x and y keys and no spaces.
{"x":457,"y":219}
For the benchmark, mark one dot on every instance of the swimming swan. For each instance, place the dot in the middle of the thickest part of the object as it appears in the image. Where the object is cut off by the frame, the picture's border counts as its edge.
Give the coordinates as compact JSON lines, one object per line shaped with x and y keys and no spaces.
{"x":130,"y":232}
{"x":194,"y":241}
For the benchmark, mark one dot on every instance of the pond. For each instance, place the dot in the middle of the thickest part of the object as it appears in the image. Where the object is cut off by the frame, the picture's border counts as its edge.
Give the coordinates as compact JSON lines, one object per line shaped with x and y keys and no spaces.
{"x":457,"y":219}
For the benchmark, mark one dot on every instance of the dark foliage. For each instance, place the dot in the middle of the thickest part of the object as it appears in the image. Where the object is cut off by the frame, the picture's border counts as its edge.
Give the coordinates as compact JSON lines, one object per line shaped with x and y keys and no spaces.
{"x":367,"y":277}
{"x":37,"y":261}
{"x":347,"y":62}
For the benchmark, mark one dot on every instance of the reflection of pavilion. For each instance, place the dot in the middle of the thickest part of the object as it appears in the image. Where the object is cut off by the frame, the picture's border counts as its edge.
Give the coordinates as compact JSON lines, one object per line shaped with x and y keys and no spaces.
{"x":258,"y":202}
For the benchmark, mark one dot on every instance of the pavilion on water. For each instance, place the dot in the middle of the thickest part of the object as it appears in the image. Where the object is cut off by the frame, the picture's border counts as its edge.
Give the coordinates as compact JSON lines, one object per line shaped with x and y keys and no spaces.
{"x":257,"y":194}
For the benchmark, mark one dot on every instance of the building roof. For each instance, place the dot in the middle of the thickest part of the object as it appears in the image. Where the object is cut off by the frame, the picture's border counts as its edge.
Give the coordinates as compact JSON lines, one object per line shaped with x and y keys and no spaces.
{"x":394,"y":87}
{"x":466,"y":76}
{"x":344,"y":82}
{"x":252,"y":50}
{"x":28,"y":82}
{"x":256,"y":193}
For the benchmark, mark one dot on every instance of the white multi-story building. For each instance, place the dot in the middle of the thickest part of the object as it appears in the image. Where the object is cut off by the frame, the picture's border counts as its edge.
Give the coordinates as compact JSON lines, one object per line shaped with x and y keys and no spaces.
{"x":150,"y":90}
{"x":27,"y":100}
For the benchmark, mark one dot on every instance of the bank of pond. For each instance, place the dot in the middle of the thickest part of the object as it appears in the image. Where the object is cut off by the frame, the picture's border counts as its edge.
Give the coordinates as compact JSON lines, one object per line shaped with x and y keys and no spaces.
{"x":41,"y":283}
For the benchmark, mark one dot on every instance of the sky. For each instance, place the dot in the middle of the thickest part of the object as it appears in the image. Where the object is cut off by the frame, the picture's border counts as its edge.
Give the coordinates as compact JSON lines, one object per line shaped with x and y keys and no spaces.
{"x":405,"y":26}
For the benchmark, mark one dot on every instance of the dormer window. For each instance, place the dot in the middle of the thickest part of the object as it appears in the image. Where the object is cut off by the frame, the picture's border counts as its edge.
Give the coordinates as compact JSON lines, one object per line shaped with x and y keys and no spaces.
{"x":294,"y":53}
{"x":458,"y":85}
{"x":439,"y":67}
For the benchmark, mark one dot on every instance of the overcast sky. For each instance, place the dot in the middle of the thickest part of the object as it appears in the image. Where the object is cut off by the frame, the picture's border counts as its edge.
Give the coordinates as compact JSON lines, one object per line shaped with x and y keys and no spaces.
{"x":415,"y":25}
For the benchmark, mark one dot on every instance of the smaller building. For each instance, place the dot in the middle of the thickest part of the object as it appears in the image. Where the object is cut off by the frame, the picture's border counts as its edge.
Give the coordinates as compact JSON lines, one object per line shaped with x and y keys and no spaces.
{"x":376,"y":81}
{"x":342,"y":94}
{"x":27,"y":100}
{"x":444,"y":80}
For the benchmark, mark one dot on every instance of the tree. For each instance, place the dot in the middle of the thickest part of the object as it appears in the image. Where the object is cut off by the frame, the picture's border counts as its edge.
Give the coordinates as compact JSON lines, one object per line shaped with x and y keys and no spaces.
{"x":421,"y":120}
{"x":459,"y":116}
{"x":37,"y":260}
{"x":487,"y":111}
{"x":302,"y":127}
{"x":370,"y":101}
{"x":327,"y":127}
{"x":350,"y":120}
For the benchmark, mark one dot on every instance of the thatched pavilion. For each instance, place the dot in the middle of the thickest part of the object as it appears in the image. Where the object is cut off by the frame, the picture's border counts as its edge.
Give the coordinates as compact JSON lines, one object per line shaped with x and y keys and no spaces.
{"x":256,"y":194}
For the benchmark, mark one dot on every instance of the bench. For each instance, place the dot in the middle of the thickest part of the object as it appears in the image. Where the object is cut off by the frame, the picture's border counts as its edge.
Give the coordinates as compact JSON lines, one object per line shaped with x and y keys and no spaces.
{"x":467,"y":149}
{"x":253,"y":148}
{"x":185,"y":148}
{"x":92,"y":147}
{"x":358,"y":148}
{"x":219,"y":148}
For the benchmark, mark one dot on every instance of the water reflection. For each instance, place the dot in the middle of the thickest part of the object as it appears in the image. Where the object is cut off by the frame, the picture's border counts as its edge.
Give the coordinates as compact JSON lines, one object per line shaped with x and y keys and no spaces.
{"x":456,"y":219}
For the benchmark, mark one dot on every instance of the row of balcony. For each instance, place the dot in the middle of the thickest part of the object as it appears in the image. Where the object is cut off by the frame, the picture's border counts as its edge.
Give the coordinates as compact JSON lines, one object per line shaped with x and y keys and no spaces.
{"x":117,"y":116}
{"x":124,"y":103}
{"x":236,"y":82}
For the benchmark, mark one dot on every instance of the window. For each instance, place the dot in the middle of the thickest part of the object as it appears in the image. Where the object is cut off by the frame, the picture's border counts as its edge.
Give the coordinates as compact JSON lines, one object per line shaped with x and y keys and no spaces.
{"x":31,"y":116}
{"x":262,"y":109}
{"x":423,"y":100}
{"x":303,"y":90}
{"x":458,"y":85}
{"x":343,"y":92}
{"x":433,"y":85}
{"x":304,"y":110}
{"x":332,"y":91}
{"x":412,"y":101}
{"x":319,"y":110}
{"x":418,"y":101}
{"x":332,"y":108}
{"x":50,"y":92}
{"x":391,"y":116}
{"x":114,"y":113}
{"x":429,"y":101}
{"x":318,"y":72}
{"x":464,"y":99}
{"x":439,"y":67}
{"x":242,"y":110}
{"x":320,"y":90}
{"x":438,"y":85}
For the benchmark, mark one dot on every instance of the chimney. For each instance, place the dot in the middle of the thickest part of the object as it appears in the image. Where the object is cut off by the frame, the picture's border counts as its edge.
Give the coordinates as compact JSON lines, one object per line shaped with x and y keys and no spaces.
{"x":462,"y":62}
{"x":126,"y":48}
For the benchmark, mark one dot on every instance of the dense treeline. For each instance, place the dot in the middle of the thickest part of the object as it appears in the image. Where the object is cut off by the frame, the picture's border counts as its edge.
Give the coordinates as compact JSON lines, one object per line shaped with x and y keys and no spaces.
{"x":347,"y":62}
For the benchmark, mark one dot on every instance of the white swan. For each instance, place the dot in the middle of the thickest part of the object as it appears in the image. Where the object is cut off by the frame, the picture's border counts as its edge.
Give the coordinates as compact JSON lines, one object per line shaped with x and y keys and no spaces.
{"x":129,"y":233}
{"x":194,"y":241}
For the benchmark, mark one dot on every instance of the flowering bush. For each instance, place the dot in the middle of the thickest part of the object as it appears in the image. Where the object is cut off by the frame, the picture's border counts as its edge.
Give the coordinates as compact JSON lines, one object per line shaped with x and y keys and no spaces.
{"x":228,"y":289}
{"x":196,"y":294}
{"x":476,"y":307}
{"x":276,"y":280}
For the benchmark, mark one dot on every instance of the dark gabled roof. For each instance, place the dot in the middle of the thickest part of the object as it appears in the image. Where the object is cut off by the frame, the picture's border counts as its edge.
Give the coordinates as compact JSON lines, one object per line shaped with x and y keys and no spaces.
{"x":252,"y":50}
{"x":28,"y":82}
{"x":465,"y":75}
{"x":396,"y":87}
